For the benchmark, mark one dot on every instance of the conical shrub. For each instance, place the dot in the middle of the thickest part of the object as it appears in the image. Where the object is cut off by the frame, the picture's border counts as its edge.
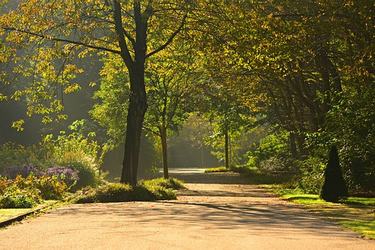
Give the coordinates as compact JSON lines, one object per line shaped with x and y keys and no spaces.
{"x":334,"y":186}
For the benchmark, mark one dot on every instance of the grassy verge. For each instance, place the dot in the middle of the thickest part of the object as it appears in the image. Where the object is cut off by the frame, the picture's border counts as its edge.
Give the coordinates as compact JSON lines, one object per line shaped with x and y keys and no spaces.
{"x":217,"y":170}
{"x":355,"y":213}
{"x":148,"y":190}
{"x":8,"y":213}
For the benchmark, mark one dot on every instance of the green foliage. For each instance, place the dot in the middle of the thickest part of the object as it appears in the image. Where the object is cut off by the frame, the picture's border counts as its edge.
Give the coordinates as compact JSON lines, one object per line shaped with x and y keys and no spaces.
{"x":51,"y":188}
{"x":20,"y":193}
{"x":87,"y":176}
{"x":74,"y":147}
{"x":334,"y":186}
{"x":18,"y":155}
{"x":113,"y":192}
{"x":311,"y":175}
{"x":110,"y":111}
{"x":27,"y":192}
{"x":17,"y":200}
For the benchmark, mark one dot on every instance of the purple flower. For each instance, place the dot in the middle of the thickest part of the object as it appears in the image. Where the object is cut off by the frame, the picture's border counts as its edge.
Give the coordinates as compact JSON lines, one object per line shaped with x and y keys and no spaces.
{"x":67,"y":175}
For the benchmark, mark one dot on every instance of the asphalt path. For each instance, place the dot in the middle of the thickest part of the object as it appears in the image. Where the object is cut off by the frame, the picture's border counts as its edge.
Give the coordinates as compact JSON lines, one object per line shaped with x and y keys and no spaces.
{"x":218,"y":211}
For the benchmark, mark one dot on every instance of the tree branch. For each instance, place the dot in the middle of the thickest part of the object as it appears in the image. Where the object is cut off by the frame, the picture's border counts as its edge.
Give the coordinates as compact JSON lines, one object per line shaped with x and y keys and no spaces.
{"x":60,"y":39}
{"x":170,"y":40}
{"x":125,"y":53}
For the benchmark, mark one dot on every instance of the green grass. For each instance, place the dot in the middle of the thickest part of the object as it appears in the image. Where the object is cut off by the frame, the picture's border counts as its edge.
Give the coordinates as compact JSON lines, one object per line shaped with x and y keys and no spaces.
{"x":360,"y":201}
{"x":171,"y":183}
{"x":8,"y":213}
{"x":364,"y":227}
{"x":217,"y":170}
{"x":355,"y":213}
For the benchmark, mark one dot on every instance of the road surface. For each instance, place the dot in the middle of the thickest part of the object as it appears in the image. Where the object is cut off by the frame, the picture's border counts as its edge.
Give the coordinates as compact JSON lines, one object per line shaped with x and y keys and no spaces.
{"x":217,"y":212}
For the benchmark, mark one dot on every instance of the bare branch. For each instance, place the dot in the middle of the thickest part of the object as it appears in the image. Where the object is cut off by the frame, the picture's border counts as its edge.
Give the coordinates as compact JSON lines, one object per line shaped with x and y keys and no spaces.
{"x":60,"y":39}
{"x":125,"y":53}
{"x":170,"y":40}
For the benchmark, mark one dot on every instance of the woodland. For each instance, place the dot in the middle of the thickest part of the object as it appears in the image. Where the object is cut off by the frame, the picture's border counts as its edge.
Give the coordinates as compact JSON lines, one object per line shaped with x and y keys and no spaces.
{"x":269,"y":88}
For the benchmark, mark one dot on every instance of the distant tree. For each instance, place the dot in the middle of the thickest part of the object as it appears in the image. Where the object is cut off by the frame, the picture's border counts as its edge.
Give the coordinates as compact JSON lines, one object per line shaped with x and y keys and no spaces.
{"x":170,"y":91}
{"x":334,"y":186}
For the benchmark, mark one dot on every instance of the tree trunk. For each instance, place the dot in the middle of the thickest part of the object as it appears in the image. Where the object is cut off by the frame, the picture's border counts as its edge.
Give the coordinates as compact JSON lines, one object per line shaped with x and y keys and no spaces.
{"x":164,"y":148}
{"x":226,"y":148}
{"x":293,"y":145}
{"x":136,"y":112}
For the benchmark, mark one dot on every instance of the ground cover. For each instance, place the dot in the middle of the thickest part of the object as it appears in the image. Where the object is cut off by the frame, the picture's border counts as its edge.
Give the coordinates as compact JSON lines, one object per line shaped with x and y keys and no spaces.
{"x":355,"y":213}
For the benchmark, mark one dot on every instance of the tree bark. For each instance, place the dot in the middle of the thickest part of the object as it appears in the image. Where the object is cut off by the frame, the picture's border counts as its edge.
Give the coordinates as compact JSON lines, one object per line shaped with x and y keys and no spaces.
{"x":136,"y":112}
{"x":226,"y":148}
{"x":164,"y":148}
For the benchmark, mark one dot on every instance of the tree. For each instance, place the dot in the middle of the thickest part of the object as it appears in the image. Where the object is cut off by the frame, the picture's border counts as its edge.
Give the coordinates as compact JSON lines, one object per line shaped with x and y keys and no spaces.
{"x":334,"y":186}
{"x":133,"y":30}
{"x":169,"y":80}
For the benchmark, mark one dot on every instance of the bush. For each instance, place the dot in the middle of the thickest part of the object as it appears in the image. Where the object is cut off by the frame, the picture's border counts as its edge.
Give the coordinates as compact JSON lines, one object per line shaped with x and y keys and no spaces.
{"x":311,"y":175}
{"x":4,"y":184}
{"x":10,"y":200}
{"x":114,"y":192}
{"x":87,"y":176}
{"x":15,"y":197}
{"x":51,"y":188}
{"x":334,"y":186}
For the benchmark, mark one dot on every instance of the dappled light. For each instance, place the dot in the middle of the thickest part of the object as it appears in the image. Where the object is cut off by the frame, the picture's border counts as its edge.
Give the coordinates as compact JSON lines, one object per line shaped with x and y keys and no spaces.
{"x":195,"y":124}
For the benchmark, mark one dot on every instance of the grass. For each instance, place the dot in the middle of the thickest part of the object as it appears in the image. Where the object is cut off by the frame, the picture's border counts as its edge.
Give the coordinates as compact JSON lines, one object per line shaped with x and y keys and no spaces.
{"x":364,"y":227}
{"x":217,"y":170}
{"x":355,"y":213}
{"x":148,"y":190}
{"x":6,"y":214}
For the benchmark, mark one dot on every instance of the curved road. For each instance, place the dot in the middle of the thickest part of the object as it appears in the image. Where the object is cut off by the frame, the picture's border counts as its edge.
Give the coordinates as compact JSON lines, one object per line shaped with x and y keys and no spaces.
{"x":219,"y":211}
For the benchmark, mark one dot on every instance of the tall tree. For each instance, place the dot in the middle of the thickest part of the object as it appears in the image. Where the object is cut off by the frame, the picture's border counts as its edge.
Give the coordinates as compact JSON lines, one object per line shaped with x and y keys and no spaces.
{"x":134,"y":30}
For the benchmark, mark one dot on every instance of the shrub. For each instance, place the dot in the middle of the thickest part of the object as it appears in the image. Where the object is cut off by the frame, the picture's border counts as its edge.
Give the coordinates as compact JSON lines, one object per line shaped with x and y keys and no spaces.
{"x":51,"y":188}
{"x":9,"y":200}
{"x":4,"y":184}
{"x":334,"y":186}
{"x":114,"y":192}
{"x":312,"y":175}
{"x":14,"y":197}
{"x":87,"y":176}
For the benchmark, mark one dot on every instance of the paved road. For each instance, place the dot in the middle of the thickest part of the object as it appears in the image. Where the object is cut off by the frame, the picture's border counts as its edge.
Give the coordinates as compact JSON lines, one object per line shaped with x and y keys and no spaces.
{"x":207,"y":216}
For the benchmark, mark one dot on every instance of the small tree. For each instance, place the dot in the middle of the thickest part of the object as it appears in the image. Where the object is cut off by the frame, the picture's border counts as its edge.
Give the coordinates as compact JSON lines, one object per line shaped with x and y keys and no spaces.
{"x":334,"y":186}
